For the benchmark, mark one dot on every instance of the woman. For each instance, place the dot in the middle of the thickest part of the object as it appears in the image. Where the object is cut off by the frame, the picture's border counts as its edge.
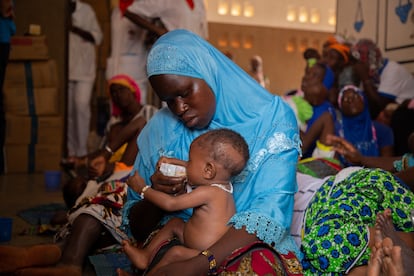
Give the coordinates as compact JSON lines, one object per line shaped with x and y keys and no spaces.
{"x":355,"y":125}
{"x":129,"y":116}
{"x":205,"y":90}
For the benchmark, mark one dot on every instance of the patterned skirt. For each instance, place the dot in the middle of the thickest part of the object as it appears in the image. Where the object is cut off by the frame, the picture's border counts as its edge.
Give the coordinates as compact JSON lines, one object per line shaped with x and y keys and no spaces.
{"x":336,"y":233}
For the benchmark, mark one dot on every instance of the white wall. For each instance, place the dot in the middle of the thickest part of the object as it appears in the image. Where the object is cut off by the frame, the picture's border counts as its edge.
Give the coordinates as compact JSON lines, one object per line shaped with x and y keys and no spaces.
{"x":381,"y":23}
{"x":272,"y":13}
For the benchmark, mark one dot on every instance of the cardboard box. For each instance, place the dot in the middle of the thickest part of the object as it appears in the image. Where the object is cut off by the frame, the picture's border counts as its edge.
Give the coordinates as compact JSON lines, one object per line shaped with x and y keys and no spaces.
{"x":34,"y":129}
{"x":29,"y":48}
{"x":36,"y":74}
{"x":36,"y":101}
{"x":32,"y":158}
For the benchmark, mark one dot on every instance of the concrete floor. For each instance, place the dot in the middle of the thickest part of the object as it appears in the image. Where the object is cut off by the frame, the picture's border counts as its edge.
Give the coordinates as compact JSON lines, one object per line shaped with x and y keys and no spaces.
{"x":22,"y":191}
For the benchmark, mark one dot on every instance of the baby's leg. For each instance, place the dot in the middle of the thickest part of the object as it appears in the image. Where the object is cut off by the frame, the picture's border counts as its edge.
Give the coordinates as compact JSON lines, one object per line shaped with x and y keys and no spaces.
{"x":142,"y":257}
{"x":175,"y":254}
{"x":138,"y":256}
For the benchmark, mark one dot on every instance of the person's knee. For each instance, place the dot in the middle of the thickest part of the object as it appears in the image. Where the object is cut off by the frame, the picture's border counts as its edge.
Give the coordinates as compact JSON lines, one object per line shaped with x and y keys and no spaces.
{"x":88,"y":224}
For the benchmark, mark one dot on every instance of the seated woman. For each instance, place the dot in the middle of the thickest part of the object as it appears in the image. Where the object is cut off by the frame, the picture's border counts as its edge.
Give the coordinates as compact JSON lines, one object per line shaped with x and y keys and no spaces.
{"x":205,"y":90}
{"x":354,"y":124}
{"x":119,"y":143}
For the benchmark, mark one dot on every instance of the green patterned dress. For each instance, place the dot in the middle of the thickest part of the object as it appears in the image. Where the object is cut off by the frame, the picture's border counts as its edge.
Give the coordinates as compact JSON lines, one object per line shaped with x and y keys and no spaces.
{"x":336,"y":233}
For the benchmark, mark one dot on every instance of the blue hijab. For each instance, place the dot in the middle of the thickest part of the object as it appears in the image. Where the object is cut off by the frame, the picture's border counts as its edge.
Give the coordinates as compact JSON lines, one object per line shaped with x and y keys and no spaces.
{"x":358,"y":130}
{"x":264,"y":191}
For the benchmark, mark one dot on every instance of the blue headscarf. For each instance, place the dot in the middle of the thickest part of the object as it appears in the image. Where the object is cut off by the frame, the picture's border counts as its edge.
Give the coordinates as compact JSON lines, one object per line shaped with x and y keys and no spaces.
{"x":358,"y":130}
{"x":329,"y":77}
{"x":264,"y":191}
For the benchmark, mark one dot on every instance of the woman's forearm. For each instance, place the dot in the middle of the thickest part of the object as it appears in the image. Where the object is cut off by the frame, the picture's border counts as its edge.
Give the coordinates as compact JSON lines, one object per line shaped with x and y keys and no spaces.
{"x":385,"y":163}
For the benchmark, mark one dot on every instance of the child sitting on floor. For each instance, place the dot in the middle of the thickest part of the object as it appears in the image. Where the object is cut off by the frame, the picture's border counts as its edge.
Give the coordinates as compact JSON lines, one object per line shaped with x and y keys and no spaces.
{"x":215,"y":157}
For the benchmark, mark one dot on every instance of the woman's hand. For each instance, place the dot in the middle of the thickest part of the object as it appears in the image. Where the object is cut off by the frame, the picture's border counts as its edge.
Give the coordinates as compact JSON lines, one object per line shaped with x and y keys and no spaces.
{"x":169,"y":184}
{"x":98,"y":164}
{"x":345,"y":148}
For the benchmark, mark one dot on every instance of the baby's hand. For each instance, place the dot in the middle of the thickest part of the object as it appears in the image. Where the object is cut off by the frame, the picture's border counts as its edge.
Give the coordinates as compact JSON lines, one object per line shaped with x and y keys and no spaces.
{"x":136,"y":182}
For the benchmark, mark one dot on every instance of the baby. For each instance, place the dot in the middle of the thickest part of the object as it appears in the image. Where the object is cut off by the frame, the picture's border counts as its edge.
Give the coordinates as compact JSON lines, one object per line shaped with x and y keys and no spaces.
{"x":214,"y":158}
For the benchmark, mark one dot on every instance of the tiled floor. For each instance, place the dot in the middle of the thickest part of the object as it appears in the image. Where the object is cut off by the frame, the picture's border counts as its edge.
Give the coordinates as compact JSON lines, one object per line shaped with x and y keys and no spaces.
{"x":22,"y":191}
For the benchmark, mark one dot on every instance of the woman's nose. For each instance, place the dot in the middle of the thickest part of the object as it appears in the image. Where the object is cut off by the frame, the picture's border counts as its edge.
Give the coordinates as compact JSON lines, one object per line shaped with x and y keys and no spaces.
{"x":180,"y":106}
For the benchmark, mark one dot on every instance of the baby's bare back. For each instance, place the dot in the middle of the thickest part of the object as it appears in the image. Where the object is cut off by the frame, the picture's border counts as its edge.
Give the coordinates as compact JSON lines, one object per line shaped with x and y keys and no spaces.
{"x":209,"y":222}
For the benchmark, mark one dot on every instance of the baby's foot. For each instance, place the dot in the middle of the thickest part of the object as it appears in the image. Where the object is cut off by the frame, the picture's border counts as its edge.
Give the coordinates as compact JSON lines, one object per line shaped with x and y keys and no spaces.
{"x":137,"y":256}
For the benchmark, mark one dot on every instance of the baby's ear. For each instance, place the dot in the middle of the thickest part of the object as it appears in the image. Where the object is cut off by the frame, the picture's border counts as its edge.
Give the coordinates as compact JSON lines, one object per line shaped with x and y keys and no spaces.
{"x":209,"y":171}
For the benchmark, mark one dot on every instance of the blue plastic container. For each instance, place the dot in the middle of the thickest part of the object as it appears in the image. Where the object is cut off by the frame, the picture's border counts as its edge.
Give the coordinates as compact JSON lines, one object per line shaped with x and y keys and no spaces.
{"x":52,"y":180}
{"x":6,"y":226}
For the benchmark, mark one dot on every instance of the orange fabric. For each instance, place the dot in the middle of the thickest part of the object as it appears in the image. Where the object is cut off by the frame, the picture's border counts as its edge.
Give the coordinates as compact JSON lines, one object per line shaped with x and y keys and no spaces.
{"x":342,"y":49}
{"x":119,"y":166}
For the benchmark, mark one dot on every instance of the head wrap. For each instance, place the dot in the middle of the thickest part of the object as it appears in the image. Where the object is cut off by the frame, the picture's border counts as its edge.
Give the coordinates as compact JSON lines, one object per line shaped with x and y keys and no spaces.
{"x":124,"y":4}
{"x":331,"y":40}
{"x":266,"y":122}
{"x":358,"y":129}
{"x":126,"y":81}
{"x":348,"y":87}
{"x":343,"y":49}
{"x":329,"y":78}
{"x":369,"y":53}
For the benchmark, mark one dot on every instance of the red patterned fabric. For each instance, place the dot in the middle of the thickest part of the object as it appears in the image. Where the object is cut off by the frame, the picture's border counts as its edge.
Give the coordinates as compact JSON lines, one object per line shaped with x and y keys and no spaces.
{"x":260,"y":259}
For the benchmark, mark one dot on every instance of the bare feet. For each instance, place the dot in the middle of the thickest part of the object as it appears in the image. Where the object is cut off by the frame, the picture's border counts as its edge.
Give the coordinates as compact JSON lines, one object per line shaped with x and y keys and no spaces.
{"x":14,"y":258}
{"x":376,"y":259}
{"x":138,"y":257}
{"x":390,"y":256}
{"x":393,"y":261}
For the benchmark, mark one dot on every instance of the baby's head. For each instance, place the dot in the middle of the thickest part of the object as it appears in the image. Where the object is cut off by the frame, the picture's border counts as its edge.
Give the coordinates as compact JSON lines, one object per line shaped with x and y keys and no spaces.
{"x":217,"y":155}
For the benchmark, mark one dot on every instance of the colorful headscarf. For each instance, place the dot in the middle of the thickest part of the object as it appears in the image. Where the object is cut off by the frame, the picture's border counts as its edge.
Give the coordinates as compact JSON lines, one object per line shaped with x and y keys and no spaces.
{"x":264,"y":191}
{"x":369,"y":53}
{"x":329,"y":78}
{"x":358,"y":130}
{"x":341,"y":48}
{"x":126,"y":81}
{"x":124,"y":4}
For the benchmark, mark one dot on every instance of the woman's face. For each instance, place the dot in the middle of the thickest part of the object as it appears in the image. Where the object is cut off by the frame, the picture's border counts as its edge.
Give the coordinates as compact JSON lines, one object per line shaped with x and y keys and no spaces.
{"x":121,"y":95}
{"x":314,"y":75}
{"x":191,"y":99}
{"x":334,"y":59}
{"x":352,"y":103}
